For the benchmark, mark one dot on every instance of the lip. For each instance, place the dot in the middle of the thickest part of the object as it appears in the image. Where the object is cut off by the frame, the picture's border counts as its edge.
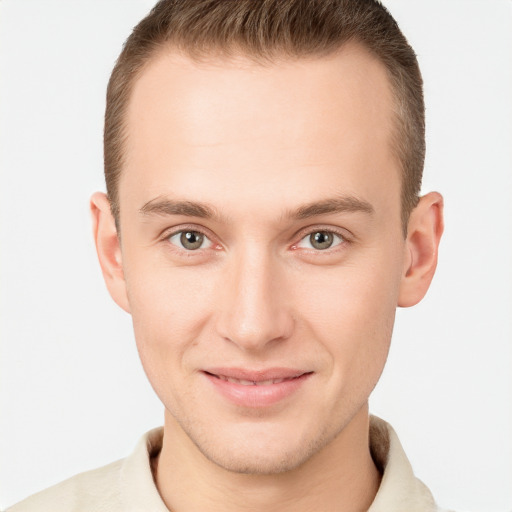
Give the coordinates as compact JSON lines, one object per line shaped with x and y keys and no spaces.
{"x":254,"y":388}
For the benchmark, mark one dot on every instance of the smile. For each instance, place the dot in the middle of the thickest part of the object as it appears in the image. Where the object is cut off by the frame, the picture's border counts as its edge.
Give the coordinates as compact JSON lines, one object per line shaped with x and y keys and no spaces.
{"x":244,"y":382}
{"x":256,"y":388}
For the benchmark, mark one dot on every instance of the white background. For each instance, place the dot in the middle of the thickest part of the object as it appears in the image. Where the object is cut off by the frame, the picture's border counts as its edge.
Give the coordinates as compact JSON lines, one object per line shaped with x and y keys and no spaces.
{"x":72,"y":393}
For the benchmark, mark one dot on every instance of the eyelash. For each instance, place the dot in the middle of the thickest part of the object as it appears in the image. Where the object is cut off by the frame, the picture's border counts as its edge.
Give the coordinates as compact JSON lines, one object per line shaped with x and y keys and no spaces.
{"x":184,"y":229}
{"x":306,"y":232}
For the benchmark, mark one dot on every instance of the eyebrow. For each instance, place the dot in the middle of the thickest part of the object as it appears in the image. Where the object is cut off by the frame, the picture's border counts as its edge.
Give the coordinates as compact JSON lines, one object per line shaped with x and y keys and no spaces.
{"x":346,"y":204}
{"x":164,"y":206}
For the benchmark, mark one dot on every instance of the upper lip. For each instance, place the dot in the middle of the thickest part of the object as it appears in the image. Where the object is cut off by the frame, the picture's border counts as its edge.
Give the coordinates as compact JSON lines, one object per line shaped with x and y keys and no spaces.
{"x":256,"y":375}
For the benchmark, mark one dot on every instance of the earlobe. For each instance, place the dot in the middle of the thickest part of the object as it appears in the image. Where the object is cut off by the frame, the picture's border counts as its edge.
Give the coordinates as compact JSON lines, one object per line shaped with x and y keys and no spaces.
{"x":424,"y":234}
{"x":108,"y":248}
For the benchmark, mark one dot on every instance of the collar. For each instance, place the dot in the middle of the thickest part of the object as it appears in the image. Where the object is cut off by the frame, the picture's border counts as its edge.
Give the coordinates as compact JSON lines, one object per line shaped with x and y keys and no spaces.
{"x":400,"y":490}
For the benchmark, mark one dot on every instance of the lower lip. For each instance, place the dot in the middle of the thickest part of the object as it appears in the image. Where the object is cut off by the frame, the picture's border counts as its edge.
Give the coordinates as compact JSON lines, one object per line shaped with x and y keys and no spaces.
{"x":257,"y":396}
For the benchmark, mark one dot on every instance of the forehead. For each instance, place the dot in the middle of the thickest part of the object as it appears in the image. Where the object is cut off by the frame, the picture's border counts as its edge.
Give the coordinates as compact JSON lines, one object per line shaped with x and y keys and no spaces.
{"x":244,"y":124}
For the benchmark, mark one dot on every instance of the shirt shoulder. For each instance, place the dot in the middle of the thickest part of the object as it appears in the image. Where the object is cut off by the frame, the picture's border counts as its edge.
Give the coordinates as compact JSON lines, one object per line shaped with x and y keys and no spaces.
{"x":98,"y":490}
{"x":126,"y":485}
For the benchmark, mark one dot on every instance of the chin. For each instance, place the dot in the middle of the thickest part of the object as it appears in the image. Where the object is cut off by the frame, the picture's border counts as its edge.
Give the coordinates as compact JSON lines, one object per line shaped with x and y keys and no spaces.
{"x":254,"y":462}
{"x":263,"y":453}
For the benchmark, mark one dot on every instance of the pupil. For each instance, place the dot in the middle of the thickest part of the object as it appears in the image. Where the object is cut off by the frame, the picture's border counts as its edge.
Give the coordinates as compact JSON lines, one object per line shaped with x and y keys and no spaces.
{"x":321,"y":240}
{"x":191,"y":239}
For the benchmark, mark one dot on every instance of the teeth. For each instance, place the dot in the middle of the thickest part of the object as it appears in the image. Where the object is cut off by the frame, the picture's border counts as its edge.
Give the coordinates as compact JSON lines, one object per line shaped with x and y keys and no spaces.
{"x":269,"y":382}
{"x":265,"y":382}
{"x":244,"y":382}
{"x":240,"y":381}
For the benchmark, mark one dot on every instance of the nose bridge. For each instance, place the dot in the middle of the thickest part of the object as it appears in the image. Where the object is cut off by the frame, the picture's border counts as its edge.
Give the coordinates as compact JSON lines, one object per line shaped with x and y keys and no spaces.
{"x":253,"y":310}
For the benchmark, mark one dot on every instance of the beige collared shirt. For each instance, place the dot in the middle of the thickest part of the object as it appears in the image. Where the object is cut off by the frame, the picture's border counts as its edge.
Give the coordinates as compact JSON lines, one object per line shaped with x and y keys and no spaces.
{"x":127,"y":485}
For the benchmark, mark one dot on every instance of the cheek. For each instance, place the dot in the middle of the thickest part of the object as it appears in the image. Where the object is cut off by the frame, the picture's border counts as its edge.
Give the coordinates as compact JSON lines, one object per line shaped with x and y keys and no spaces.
{"x":352,"y":312}
{"x":169,"y":308}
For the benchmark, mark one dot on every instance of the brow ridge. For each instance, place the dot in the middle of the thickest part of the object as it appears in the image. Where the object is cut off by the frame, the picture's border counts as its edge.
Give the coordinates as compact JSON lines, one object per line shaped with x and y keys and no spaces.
{"x":345,"y":204}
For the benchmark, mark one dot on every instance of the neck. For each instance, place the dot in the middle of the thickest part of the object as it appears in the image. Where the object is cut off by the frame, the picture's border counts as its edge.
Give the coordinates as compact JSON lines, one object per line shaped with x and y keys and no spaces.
{"x":342,"y":476}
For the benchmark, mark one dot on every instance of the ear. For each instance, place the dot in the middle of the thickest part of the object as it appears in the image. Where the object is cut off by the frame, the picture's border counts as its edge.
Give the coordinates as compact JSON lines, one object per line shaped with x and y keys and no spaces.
{"x":108,"y":247}
{"x":423,"y":235}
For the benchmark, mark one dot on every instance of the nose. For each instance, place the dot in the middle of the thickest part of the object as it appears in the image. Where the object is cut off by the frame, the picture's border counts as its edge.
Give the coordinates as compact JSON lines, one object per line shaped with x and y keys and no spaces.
{"x":254,"y":308}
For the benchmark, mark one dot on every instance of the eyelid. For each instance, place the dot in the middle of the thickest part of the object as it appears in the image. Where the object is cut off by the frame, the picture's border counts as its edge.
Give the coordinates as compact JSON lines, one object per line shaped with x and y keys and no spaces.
{"x":204,"y":240}
{"x":346,"y":236}
{"x":170,"y":232}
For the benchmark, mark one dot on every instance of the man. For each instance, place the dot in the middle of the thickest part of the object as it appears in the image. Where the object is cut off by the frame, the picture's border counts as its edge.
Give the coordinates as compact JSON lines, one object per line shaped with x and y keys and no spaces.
{"x":263,"y":162}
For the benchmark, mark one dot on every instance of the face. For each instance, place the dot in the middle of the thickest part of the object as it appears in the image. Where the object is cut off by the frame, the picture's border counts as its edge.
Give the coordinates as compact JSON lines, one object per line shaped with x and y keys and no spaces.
{"x":262,"y":248}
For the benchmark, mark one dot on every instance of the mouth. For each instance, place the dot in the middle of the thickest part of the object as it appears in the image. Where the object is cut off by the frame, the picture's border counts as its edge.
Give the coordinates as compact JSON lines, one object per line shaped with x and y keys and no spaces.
{"x":245,"y":382}
{"x":264,"y":388}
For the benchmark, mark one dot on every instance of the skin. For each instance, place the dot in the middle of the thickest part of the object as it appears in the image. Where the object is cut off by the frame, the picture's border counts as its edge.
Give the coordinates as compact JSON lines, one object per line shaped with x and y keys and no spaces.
{"x":255,"y":144}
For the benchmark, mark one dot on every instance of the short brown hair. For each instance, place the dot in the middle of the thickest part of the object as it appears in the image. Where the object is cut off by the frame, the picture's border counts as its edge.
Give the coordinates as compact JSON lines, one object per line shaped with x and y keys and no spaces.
{"x":263,"y":29}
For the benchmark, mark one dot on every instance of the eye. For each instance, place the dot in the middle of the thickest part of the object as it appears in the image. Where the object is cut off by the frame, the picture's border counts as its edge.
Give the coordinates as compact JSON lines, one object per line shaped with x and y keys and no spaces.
{"x":190,"y":240}
{"x":320,"y":240}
